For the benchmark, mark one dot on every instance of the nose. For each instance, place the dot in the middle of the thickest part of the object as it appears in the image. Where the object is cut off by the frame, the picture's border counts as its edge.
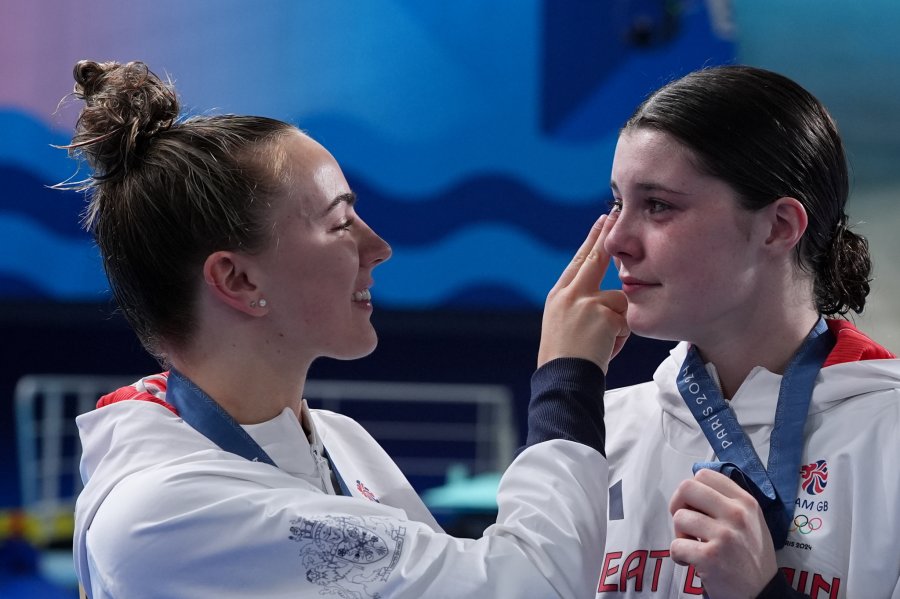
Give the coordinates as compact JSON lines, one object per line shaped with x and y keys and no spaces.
{"x":373,"y":250}
{"x":621,"y":241}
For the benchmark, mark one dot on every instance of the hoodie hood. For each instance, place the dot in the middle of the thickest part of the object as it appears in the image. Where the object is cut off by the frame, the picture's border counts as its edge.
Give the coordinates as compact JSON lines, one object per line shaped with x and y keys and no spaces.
{"x":122,"y":438}
{"x":855,"y":368}
{"x":118,"y":441}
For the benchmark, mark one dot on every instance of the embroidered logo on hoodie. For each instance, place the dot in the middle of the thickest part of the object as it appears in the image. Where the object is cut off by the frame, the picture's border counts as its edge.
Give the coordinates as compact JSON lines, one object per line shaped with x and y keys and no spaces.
{"x":814,"y":477}
{"x":365,"y":492}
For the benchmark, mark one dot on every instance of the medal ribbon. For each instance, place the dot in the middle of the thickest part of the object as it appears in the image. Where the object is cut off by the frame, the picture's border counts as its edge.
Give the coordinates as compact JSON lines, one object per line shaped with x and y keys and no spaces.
{"x":208,"y":418}
{"x":211,"y":420}
{"x":774,"y":486}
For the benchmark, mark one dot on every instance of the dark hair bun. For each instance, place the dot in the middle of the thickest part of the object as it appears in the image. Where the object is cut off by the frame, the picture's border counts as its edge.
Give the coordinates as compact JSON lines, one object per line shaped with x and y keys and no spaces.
{"x":844,"y":284}
{"x":125,"y":107}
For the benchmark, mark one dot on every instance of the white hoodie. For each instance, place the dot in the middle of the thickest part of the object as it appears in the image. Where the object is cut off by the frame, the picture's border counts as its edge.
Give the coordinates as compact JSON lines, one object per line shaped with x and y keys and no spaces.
{"x":845,"y":537}
{"x":165,"y":513}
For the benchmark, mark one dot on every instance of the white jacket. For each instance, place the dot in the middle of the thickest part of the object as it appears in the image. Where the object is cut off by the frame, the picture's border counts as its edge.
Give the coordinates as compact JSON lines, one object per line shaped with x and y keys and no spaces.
{"x":165,"y":513}
{"x":845,"y":537}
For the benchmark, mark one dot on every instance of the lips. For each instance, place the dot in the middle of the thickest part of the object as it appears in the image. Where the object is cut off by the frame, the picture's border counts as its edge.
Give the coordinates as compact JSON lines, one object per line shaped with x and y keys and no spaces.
{"x":633,"y":284}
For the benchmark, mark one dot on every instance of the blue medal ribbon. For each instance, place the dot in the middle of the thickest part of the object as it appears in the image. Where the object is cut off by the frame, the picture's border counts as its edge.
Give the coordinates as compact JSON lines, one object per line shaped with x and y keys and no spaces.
{"x":345,"y":490}
{"x":773,"y":486}
{"x":211,"y":420}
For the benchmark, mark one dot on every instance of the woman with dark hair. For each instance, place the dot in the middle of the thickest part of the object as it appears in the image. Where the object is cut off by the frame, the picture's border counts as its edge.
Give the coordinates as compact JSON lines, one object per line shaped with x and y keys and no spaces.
{"x":233,"y":248}
{"x":731,"y":236}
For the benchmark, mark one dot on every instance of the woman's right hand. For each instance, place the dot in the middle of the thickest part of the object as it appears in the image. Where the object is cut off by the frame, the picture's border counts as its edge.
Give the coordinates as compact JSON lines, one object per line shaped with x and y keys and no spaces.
{"x":580,"y":320}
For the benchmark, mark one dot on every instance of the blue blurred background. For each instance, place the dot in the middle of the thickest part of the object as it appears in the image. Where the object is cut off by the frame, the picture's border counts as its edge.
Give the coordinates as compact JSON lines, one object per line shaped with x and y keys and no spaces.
{"x":478,"y":135}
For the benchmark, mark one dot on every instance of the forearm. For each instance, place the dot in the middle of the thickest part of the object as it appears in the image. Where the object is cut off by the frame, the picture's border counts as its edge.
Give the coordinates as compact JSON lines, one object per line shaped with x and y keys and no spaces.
{"x":567,"y":403}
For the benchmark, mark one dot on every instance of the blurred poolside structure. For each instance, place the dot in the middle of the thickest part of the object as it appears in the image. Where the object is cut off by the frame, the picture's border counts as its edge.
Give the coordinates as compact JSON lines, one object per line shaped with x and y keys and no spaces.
{"x":48,"y":446}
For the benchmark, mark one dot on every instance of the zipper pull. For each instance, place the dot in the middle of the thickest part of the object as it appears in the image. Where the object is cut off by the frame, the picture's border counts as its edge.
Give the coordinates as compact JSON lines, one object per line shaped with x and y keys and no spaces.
{"x":322,"y":467}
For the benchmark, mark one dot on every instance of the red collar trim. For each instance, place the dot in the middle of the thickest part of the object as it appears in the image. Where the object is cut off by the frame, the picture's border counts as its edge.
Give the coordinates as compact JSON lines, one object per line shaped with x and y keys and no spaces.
{"x":130,"y":392}
{"x":852,"y":345}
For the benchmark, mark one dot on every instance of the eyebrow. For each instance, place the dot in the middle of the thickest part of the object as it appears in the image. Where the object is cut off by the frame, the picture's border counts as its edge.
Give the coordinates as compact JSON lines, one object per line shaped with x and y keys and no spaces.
{"x":649,"y":186}
{"x":349,"y":198}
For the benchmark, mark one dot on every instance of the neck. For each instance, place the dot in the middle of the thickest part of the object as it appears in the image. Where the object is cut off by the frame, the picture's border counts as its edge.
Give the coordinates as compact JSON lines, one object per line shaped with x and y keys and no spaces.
{"x":771,"y":346}
{"x":248,"y":384}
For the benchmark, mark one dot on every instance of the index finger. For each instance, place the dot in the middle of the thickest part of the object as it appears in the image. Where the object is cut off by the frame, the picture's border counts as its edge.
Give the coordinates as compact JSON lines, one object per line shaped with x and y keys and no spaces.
{"x":591,"y":271}
{"x":581,"y":255}
{"x":707,"y":492}
{"x":721,"y":483}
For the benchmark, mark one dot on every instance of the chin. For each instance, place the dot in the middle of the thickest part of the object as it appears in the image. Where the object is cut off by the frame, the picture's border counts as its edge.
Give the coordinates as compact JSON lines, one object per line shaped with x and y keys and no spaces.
{"x":653,"y":327}
{"x":361,"y":350}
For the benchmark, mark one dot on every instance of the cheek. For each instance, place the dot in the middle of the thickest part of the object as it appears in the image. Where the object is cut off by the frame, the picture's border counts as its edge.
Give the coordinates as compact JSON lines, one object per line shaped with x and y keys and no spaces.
{"x":333,"y":276}
{"x":696,"y":255}
{"x":678,"y":256}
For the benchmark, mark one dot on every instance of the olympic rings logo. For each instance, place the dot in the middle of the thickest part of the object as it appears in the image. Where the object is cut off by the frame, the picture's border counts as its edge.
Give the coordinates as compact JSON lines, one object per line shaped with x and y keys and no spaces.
{"x":805,"y":525}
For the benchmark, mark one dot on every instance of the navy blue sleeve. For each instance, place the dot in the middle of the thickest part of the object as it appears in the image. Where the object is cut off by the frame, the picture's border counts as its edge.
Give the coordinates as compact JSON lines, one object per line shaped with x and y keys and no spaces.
{"x":778,"y":588}
{"x":567,"y":403}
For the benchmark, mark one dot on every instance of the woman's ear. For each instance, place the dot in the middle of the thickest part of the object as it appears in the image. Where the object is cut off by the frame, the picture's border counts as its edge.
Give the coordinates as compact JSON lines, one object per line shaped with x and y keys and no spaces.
{"x":231,"y":279}
{"x":787,"y":223}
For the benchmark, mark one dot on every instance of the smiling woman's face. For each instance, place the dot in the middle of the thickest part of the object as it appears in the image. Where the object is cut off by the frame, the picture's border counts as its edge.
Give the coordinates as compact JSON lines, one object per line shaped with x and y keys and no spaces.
{"x":318,"y":265}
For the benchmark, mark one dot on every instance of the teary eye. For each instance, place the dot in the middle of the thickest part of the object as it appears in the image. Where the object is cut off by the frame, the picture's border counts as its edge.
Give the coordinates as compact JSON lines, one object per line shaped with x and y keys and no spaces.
{"x":656,"y":206}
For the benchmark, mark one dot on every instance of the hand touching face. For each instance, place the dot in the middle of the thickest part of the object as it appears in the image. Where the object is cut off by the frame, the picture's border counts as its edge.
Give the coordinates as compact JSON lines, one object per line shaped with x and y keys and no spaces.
{"x":580,"y":320}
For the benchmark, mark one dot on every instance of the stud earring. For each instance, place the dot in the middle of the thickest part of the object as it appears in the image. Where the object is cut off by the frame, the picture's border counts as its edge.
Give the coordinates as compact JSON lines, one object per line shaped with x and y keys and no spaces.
{"x":262,"y":302}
